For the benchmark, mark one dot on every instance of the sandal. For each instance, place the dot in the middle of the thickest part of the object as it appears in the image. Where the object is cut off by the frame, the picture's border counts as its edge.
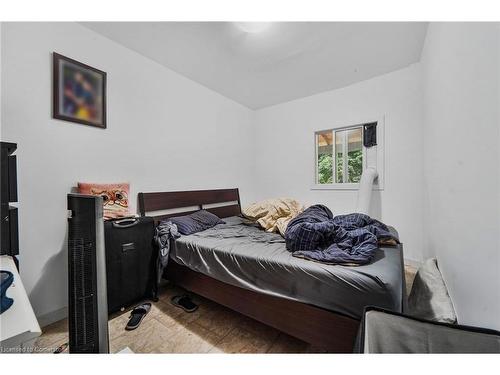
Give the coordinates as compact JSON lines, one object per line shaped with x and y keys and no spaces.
{"x":136,"y":316}
{"x":184,"y":302}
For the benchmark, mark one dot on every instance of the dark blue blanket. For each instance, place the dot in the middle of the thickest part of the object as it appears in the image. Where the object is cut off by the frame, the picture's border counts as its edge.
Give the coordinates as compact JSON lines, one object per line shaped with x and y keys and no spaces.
{"x":345,"y":239}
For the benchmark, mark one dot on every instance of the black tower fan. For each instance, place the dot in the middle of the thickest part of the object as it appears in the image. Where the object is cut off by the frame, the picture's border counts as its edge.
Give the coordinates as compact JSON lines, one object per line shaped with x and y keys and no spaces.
{"x":88,"y":307}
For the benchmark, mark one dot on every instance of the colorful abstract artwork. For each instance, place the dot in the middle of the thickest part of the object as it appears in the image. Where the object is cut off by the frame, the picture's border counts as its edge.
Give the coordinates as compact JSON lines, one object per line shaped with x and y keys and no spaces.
{"x":79,"y":92}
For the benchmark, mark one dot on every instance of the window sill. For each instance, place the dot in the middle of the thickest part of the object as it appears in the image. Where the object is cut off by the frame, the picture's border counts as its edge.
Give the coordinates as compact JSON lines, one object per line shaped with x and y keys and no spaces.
{"x":335,"y":187}
{"x":354,"y":187}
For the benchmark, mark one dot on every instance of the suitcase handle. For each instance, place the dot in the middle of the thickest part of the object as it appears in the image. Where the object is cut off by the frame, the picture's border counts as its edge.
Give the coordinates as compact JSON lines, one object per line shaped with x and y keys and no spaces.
{"x":123,"y":223}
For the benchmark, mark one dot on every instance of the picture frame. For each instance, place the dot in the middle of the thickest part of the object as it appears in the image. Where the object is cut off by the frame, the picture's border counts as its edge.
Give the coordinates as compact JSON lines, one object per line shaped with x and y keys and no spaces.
{"x":78,"y":92}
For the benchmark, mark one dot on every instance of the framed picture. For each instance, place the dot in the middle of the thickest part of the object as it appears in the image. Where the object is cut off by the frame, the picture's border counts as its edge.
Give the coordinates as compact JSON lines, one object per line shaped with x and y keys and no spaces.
{"x":79,"y":92}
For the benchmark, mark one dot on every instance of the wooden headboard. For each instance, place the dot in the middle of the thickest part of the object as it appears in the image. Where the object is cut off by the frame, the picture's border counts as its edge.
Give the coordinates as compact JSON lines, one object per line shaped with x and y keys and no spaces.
{"x":192,"y":200}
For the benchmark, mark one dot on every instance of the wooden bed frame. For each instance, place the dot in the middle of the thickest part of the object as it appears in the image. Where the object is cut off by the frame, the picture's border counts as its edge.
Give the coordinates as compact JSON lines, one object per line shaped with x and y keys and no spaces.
{"x":325,"y":329}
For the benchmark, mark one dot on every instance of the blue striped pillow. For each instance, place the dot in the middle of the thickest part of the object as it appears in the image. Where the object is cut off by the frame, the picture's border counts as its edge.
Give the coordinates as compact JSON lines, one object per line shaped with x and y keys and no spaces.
{"x":195,"y":222}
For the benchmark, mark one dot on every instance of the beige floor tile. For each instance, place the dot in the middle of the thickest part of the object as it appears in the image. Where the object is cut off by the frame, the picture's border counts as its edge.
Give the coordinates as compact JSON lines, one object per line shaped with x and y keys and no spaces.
{"x":52,"y":337}
{"x":170,"y":315}
{"x":168,"y":329}
{"x":118,"y":320}
{"x":164,"y":306}
{"x":190,"y":339}
{"x":242,"y":341}
{"x":311,"y":349}
{"x":212,"y":328}
{"x":170,"y":321}
{"x":218,"y":320}
{"x":143,"y":339}
{"x":258,"y":328}
{"x":116,"y":326}
{"x":167,"y":291}
{"x":287,"y":344}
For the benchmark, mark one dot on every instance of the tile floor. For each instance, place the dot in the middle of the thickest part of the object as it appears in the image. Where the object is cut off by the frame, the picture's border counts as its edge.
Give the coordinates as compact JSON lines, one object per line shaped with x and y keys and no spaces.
{"x":211,"y":329}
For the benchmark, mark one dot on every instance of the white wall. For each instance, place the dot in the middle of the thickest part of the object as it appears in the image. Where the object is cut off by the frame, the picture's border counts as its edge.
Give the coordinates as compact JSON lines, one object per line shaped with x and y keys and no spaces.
{"x":164,"y":132}
{"x":461,"y":165}
{"x":285,"y":149}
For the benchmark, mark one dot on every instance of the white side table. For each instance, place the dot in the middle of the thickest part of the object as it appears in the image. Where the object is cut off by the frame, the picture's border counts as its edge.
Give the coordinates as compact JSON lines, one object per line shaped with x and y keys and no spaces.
{"x":18,"y":325}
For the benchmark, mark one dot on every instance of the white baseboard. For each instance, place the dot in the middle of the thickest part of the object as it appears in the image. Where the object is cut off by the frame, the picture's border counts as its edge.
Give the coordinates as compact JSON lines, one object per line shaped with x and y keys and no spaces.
{"x":52,"y":317}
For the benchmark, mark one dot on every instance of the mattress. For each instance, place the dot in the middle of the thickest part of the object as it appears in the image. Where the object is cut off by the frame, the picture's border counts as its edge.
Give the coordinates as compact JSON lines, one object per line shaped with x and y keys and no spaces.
{"x":248,"y":257}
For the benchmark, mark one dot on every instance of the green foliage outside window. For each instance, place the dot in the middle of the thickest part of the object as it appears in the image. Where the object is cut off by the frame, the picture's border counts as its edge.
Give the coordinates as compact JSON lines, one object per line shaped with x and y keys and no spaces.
{"x":325,"y":170}
{"x":354,"y":164}
{"x":340,"y":168}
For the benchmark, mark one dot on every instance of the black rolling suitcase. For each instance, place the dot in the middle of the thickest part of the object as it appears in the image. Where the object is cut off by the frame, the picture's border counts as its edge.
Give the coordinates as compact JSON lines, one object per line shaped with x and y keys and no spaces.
{"x":130,"y":261}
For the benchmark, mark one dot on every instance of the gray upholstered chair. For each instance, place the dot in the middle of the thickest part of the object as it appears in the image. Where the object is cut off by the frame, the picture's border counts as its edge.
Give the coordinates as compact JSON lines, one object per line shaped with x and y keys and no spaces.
{"x":428,"y":325}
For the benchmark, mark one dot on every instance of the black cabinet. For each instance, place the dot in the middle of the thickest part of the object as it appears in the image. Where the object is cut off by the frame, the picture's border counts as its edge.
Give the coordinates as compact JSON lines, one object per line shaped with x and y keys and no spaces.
{"x":9,"y":244}
{"x":9,"y":230}
{"x":130,"y":261}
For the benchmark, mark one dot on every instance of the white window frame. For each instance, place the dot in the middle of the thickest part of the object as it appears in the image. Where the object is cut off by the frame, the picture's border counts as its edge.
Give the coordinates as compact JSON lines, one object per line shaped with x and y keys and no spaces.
{"x":373,"y":156}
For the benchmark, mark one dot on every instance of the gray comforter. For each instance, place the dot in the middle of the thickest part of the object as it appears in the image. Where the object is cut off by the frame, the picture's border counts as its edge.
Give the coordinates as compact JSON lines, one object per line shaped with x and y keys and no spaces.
{"x":250,"y":258}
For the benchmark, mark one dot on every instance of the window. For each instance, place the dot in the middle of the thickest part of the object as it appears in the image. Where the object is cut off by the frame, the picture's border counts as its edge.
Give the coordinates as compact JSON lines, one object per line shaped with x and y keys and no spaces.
{"x":324,"y":146}
{"x":340,"y":156}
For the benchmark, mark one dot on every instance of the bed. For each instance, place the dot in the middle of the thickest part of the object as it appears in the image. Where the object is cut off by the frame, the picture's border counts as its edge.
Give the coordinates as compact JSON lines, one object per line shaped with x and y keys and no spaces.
{"x":250,"y":271}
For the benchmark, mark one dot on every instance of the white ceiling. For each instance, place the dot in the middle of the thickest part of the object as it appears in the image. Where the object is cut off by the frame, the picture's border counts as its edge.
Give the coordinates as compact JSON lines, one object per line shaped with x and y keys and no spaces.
{"x":289,"y":60}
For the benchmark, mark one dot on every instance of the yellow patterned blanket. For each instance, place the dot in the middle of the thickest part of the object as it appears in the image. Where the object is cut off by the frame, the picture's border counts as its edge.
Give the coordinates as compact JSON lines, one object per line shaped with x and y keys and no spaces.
{"x":273,"y":214}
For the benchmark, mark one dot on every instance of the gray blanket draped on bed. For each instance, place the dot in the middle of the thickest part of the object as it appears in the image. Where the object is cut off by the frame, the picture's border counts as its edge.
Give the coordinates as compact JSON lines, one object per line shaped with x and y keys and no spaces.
{"x":165,"y":231}
{"x":345,"y":239}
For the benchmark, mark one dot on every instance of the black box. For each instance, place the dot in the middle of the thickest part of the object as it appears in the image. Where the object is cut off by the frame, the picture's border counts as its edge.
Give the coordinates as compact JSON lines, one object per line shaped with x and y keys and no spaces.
{"x":8,"y":171}
{"x":9,"y":230}
{"x":9,"y":244}
{"x":130,"y":261}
